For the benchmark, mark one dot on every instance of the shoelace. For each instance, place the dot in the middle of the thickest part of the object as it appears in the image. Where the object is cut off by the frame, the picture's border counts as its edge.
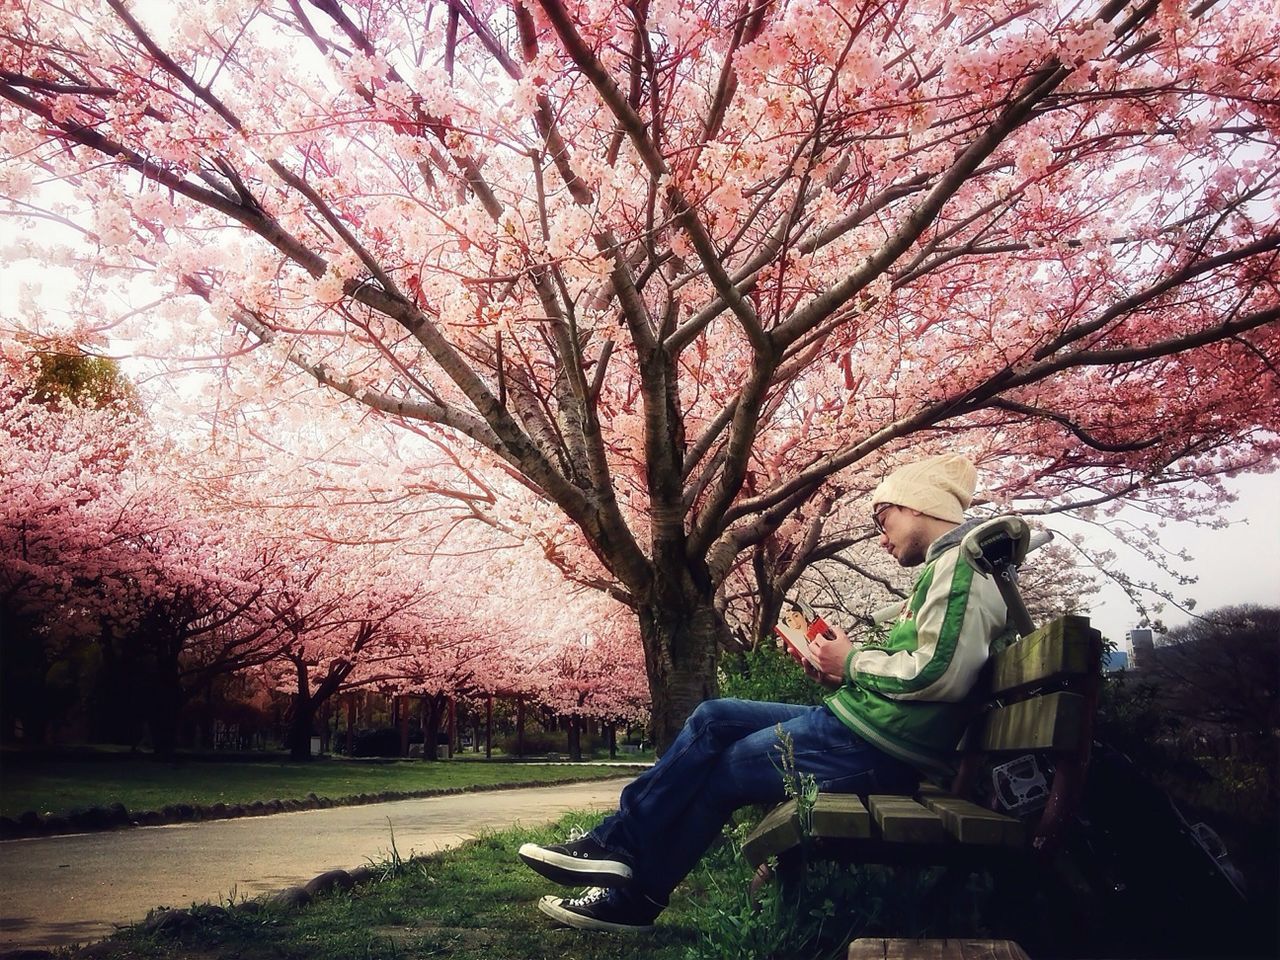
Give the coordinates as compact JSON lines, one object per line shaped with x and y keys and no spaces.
{"x":576,"y":833}
{"x":590,"y":896}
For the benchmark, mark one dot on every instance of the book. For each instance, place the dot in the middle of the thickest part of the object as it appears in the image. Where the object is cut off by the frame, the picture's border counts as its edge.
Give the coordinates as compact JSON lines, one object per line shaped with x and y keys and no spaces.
{"x":799,"y":625}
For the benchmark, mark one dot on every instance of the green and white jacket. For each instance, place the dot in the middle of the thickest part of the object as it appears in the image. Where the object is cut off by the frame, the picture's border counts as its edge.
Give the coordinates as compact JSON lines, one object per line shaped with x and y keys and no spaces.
{"x":909,"y":692}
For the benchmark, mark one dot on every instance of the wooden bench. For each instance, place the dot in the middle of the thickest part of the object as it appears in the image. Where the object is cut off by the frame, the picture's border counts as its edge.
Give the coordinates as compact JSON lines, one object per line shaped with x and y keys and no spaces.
{"x":1040,"y":698}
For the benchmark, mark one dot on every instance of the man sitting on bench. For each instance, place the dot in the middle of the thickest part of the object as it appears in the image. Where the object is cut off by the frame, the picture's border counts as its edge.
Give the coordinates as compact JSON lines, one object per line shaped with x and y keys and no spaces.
{"x":900,"y":709}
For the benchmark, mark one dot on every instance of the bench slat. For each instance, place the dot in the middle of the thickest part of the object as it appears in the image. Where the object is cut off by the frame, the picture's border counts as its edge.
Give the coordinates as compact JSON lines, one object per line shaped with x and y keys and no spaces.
{"x":1062,"y":648}
{"x":969,"y":823}
{"x":902,"y":820}
{"x":878,"y":949}
{"x":1052,"y":722}
{"x":778,"y":832}
{"x":840,"y":815}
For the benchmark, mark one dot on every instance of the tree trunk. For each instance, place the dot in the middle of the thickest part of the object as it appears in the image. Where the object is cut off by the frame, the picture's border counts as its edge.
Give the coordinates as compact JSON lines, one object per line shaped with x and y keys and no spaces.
{"x":453,"y":726}
{"x":301,"y":716}
{"x":519,"y":726}
{"x":166,"y":707}
{"x":575,"y":738}
{"x":431,"y":728}
{"x":351,"y":723}
{"x":680,"y":643}
{"x":424,"y":723}
{"x":300,"y":726}
{"x":402,"y":710}
{"x":488,"y":728}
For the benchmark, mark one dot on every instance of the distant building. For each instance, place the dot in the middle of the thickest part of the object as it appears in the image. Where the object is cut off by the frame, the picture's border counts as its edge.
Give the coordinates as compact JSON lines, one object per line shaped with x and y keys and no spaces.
{"x":1143,"y":645}
{"x":1115,"y":660}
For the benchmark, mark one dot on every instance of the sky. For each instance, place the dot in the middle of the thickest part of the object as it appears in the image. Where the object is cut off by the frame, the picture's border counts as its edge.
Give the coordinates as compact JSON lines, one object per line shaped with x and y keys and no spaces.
{"x":1238,"y":564}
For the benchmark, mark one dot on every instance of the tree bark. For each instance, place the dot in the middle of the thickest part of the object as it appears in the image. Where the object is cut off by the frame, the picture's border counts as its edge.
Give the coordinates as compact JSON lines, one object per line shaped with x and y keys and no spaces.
{"x":680,"y":641}
{"x":351,"y":723}
{"x":300,"y":724}
{"x":453,"y":726}
{"x":488,"y":728}
{"x":575,"y":738}
{"x":165,"y":707}
{"x":402,"y":709}
{"x":306,"y":702}
{"x":432,"y":704}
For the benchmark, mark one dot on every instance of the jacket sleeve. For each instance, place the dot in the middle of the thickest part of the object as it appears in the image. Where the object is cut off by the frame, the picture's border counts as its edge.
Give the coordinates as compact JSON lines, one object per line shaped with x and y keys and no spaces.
{"x":938,"y":645}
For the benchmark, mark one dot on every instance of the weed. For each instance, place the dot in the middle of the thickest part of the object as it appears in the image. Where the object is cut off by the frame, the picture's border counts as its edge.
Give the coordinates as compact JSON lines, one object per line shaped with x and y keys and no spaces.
{"x":803,"y":787}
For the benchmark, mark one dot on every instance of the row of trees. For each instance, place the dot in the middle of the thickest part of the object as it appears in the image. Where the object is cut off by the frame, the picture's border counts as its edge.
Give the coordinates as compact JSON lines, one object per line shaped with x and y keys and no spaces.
{"x":141,"y":582}
{"x":1219,"y":677}
{"x":682,"y":280}
{"x":126,"y":588}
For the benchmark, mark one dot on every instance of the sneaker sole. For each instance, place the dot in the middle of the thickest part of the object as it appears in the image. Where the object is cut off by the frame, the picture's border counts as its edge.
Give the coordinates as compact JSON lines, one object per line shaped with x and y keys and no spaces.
{"x":572,"y":872}
{"x":551,"y":907}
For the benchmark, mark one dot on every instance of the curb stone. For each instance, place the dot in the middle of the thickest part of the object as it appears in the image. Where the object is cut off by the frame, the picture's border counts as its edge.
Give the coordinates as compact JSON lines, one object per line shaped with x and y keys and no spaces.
{"x":325,"y":882}
{"x":291,"y":898}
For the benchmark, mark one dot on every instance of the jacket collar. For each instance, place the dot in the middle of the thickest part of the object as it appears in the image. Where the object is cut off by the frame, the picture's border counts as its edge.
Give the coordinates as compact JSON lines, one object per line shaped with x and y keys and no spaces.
{"x":949,"y":539}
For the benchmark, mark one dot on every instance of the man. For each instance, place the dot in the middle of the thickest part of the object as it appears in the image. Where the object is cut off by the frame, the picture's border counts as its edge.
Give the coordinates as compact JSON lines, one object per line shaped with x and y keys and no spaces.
{"x":899,"y":711}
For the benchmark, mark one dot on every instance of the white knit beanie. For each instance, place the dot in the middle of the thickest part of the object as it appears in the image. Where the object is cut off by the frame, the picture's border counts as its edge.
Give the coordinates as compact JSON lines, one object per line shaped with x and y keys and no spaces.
{"x":940,"y":486}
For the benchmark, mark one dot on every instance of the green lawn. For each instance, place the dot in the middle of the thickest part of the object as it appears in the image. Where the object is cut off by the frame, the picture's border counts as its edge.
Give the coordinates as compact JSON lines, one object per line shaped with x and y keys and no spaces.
{"x":60,"y":785}
{"x":477,"y":902}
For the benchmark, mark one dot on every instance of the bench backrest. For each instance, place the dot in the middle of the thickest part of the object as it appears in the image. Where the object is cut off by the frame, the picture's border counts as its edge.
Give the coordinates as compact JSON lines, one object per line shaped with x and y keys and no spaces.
{"x":1041,"y":694}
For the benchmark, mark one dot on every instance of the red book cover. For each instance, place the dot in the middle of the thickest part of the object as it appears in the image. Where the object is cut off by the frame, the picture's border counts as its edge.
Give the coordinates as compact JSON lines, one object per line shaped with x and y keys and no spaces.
{"x":799,"y":625}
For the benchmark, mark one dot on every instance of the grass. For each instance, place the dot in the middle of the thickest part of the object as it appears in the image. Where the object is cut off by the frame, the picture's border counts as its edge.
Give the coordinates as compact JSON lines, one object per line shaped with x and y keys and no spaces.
{"x":476,"y":902}
{"x":63,"y":784}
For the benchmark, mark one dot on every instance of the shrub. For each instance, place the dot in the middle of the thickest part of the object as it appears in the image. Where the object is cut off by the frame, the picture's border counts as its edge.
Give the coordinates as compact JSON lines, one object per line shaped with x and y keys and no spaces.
{"x":381,"y":743}
{"x":767,"y":673}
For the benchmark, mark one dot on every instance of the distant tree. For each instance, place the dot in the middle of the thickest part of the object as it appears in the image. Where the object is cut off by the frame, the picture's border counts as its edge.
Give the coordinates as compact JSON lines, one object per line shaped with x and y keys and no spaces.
{"x":345,"y":618}
{"x":82,"y":378}
{"x":1224,"y":669}
{"x":65,"y":515}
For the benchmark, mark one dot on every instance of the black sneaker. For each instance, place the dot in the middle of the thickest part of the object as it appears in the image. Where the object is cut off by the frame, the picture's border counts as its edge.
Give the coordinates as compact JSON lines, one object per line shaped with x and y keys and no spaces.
{"x":614,"y":911}
{"x":579,"y":862}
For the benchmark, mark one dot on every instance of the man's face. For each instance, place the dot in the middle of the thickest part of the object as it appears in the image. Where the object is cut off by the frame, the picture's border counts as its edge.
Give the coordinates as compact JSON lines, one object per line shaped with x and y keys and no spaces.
{"x":903,"y":533}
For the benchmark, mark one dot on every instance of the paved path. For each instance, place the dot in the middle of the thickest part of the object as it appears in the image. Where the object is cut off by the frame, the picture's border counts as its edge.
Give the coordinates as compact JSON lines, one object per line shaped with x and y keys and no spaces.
{"x":56,"y":891}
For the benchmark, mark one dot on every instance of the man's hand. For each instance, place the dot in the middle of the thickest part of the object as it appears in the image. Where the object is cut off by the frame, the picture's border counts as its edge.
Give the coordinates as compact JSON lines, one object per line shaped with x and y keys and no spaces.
{"x":832,"y":654}
{"x":813,"y":673}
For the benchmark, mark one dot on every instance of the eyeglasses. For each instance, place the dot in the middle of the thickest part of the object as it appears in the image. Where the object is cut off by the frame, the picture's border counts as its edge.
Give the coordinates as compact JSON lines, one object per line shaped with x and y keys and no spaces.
{"x":877,"y":517}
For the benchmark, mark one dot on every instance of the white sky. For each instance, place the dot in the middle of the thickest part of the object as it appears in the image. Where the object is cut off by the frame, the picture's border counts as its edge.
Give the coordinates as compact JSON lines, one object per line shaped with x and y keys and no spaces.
{"x":1238,"y":564}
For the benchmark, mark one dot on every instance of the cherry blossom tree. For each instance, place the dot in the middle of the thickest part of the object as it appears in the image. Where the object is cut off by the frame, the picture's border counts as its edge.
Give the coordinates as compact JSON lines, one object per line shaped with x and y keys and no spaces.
{"x":106,"y":568}
{"x":342,"y":616}
{"x":506,"y":625}
{"x":599,"y":677}
{"x":62,"y":521}
{"x":674,"y":274}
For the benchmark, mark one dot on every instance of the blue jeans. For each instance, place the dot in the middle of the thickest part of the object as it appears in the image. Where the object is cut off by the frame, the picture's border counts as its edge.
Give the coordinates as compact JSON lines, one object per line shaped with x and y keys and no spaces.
{"x":727,"y":756}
